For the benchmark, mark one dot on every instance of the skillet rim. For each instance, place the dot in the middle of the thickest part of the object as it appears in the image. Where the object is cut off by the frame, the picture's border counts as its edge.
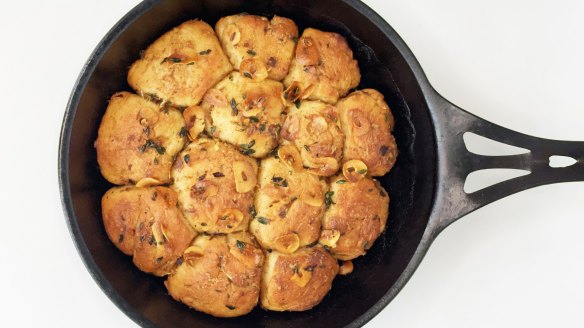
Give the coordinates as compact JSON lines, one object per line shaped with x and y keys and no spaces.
{"x":65,"y":139}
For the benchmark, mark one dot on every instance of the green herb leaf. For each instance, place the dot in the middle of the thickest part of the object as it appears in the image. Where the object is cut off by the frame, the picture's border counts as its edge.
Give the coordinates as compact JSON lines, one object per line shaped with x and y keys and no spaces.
{"x":183,"y":132}
{"x":171,"y":60}
{"x":251,"y":52}
{"x":341,"y":181}
{"x":218,"y":175}
{"x":230,"y":307}
{"x":363,"y":171}
{"x":307,"y":148}
{"x":252,"y":211}
{"x":234,"y":110}
{"x":262,"y":220}
{"x":212,"y":130}
{"x":205,"y":52}
{"x":297,"y":103}
{"x":151,"y":144}
{"x":328,"y":198}
{"x":240,"y":245}
{"x":262,"y":127}
{"x":254,"y":119}
{"x":246,"y":148}
{"x":248,"y":75}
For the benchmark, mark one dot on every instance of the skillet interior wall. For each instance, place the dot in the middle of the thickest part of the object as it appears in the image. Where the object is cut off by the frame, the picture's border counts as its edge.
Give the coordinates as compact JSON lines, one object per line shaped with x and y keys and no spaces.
{"x":410,"y":183}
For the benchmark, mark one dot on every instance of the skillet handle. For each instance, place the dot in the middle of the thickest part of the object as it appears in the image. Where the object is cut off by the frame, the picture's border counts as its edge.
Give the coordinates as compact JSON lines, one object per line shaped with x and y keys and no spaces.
{"x":455,"y":162}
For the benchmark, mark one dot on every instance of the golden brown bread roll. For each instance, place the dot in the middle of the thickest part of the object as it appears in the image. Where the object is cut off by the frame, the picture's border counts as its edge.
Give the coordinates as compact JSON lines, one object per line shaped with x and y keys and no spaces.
{"x":356,"y":216}
{"x":314,"y":128}
{"x":146,"y":223}
{"x":323,"y":67}
{"x":289,"y":205}
{"x":219,"y":275}
{"x":367,"y":122}
{"x":181,"y":65}
{"x":269,"y":43}
{"x":215,"y":185}
{"x":245,"y":113}
{"x":137,"y":140}
{"x":298,"y":281}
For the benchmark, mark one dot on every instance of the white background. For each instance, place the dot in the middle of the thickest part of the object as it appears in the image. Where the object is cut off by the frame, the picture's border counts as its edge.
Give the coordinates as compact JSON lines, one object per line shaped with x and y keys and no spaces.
{"x":516,"y":263}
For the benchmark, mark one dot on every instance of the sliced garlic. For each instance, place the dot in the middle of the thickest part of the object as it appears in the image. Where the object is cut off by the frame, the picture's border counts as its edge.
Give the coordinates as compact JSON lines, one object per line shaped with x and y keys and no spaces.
{"x":312,"y":198}
{"x":346,"y":268}
{"x":245,"y":176}
{"x":230,"y":217}
{"x":195,"y":118}
{"x":354,"y":170}
{"x":287,"y":244}
{"x":360,"y":124}
{"x":254,"y":69}
{"x":148,"y":182}
{"x":193,"y":253}
{"x":329,"y":237}
{"x":301,"y":277}
{"x":290,"y":156}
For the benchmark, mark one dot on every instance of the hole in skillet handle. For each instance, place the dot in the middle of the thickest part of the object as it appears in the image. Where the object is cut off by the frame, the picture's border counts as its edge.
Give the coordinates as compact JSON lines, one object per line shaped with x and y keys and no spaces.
{"x":456,"y":162}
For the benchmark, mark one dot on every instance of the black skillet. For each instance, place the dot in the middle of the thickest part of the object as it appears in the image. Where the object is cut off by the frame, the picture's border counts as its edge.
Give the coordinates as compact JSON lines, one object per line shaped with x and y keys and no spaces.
{"x":426,"y":185}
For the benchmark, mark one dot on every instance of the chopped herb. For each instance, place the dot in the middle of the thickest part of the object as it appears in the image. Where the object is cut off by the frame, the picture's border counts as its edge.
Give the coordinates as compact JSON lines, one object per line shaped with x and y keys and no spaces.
{"x":295,"y":39}
{"x":252,"y":211}
{"x":187,"y":158}
{"x":183,"y":132}
{"x":151,"y":144}
{"x":212,"y":130}
{"x":273,"y":153}
{"x":362,"y":171}
{"x":159,"y":259}
{"x":202,"y":177}
{"x":383,"y":150}
{"x":181,"y":108}
{"x":121,"y":238}
{"x":254,"y":119}
{"x":251,"y":52}
{"x":280,"y":182}
{"x":155,"y":161}
{"x":328,"y":198}
{"x":171,"y":60}
{"x":218,"y":175}
{"x":366,"y":245}
{"x":203,"y":224}
{"x":307,"y":148}
{"x":240,"y":245}
{"x":230,"y":307}
{"x":295,"y":269}
{"x":152,"y":240}
{"x":297,"y":103}
{"x":154,"y":196}
{"x":205,"y":52}
{"x":234,"y":110}
{"x":386,"y":117}
{"x":191,"y":63}
{"x":341,"y":181}
{"x":246,"y":149}
{"x":262,"y":127}
{"x":262,"y":220}
{"x":248,"y":75}
{"x":179,"y":261}
{"x":147,"y":131}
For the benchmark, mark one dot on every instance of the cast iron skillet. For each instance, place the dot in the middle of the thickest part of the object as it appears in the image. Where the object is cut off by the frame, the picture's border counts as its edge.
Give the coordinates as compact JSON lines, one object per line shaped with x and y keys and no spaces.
{"x":426,"y":185}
